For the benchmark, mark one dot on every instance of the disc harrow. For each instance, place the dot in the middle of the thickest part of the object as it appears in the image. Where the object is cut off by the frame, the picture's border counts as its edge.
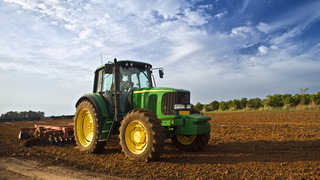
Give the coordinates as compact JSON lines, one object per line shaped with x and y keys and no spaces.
{"x":51,"y":134}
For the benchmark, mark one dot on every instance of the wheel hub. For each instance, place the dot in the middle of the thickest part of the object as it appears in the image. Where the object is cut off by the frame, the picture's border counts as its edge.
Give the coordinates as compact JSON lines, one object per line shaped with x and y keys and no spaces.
{"x":136,"y":137}
{"x":139,"y":137}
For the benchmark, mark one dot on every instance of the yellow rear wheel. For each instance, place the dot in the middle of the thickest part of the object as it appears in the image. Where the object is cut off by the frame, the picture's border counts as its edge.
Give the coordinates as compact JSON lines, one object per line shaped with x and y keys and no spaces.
{"x":84,"y":128}
{"x":86,"y":125}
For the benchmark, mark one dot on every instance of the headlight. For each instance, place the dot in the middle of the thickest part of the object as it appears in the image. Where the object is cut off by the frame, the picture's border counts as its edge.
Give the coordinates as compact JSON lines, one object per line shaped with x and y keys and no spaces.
{"x":179,"y":106}
{"x":182,"y":106}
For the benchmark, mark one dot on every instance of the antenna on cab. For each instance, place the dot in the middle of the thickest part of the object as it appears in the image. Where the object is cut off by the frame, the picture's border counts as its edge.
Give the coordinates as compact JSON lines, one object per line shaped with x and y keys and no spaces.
{"x":101,"y":58}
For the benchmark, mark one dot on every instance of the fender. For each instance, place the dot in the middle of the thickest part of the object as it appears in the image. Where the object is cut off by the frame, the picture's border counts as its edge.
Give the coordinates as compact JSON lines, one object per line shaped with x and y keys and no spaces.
{"x":100,"y":105}
{"x":98,"y":102}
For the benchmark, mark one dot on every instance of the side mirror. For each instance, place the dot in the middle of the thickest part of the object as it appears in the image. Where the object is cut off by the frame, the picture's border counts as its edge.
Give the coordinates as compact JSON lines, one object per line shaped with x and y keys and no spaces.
{"x":108,"y":68}
{"x":161,"y":73}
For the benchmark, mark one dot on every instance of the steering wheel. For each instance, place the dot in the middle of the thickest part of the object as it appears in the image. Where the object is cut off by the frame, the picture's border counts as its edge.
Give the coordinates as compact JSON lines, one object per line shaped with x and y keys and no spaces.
{"x":126,"y":87}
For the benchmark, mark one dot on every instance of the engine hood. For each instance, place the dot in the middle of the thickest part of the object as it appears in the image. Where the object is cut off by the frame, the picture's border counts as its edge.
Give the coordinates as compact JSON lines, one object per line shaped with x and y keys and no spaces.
{"x":158,"y":89}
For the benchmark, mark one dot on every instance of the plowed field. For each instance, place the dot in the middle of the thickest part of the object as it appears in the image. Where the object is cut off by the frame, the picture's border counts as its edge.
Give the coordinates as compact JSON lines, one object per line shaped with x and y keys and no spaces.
{"x":243,"y":145}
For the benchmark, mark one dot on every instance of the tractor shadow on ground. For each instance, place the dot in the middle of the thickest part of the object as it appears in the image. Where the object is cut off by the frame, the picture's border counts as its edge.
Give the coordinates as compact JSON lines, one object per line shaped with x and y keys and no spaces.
{"x":112,"y":146}
{"x":44,"y":142}
{"x":251,"y":151}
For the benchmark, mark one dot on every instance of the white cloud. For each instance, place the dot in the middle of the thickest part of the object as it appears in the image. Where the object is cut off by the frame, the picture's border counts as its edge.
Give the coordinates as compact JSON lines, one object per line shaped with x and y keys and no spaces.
{"x":286,"y":36}
{"x":263,"y":50}
{"x":263,"y":27}
{"x":244,"y":6}
{"x":61,"y":43}
{"x":221,"y":15}
{"x":85,"y":34}
{"x":193,"y":18}
{"x":242,"y":31}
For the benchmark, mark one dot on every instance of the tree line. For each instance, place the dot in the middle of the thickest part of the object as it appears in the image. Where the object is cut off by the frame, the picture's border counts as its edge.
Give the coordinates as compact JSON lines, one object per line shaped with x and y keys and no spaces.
{"x":23,"y":115}
{"x":271,"y":101}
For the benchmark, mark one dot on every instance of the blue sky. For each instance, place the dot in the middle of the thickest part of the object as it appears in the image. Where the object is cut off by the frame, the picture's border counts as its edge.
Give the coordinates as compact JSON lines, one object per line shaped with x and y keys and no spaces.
{"x":219,"y":50}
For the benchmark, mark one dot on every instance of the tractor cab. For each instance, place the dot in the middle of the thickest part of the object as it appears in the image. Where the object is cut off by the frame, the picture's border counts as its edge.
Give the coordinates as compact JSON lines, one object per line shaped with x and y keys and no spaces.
{"x":117,"y":81}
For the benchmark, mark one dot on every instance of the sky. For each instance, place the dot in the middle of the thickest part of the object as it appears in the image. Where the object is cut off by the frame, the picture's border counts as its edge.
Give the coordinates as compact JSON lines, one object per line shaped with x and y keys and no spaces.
{"x":218,"y":49}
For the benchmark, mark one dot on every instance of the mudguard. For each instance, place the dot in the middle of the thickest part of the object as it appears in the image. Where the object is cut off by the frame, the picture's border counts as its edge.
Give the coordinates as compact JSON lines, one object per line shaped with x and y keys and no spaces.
{"x":105,"y":121}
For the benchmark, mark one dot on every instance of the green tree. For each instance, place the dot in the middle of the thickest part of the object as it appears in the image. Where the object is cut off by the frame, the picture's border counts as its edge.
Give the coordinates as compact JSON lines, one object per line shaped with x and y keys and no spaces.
{"x":10,"y":115}
{"x":199,"y":106}
{"x":254,"y":103}
{"x":243,"y":103}
{"x":214,"y":105}
{"x":274,"y":100}
{"x":223,"y":105}
{"x":234,"y":104}
{"x":22,"y":115}
{"x":297,"y":98}
{"x":316,"y":98}
{"x":305,"y":99}
{"x":288,"y":100}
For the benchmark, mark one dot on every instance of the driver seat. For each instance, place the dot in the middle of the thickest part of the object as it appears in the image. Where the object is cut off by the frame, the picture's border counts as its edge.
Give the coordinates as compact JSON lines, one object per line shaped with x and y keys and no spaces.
{"x":125,"y":105}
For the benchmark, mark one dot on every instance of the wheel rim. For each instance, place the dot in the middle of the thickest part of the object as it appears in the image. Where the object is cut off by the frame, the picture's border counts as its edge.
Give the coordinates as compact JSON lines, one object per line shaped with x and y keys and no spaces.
{"x":84,"y":127}
{"x":136,"y":137}
{"x":185,"y":140}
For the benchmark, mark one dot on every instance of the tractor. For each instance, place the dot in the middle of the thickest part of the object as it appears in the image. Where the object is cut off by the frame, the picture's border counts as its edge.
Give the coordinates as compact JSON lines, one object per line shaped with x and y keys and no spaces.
{"x":125,"y":102}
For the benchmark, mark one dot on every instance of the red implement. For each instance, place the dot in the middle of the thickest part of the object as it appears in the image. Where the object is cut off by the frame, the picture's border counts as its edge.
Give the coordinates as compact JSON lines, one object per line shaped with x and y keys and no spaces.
{"x":51,"y":133}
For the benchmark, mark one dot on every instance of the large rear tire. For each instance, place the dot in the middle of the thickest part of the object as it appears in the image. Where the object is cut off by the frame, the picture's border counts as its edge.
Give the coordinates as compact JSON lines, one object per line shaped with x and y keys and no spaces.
{"x":141,"y":136}
{"x":191,"y":143}
{"x":86,"y":128}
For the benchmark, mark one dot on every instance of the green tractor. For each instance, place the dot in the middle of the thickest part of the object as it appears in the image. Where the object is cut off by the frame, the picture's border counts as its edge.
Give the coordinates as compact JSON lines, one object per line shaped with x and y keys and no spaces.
{"x":125,"y":102}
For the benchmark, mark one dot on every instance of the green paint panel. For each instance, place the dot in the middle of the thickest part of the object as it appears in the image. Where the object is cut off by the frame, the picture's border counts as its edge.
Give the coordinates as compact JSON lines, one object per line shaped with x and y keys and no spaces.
{"x":194,"y":124}
{"x":106,"y":121}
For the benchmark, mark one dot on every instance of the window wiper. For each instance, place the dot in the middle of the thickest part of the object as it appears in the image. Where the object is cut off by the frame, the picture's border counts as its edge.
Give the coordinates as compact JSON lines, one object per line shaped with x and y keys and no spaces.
{"x":143,"y":71}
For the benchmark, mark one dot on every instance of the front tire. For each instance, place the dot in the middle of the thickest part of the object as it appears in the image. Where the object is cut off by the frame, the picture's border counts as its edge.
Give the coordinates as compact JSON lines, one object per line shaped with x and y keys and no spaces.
{"x":191,"y":143}
{"x":141,"y":136}
{"x":86,"y":128}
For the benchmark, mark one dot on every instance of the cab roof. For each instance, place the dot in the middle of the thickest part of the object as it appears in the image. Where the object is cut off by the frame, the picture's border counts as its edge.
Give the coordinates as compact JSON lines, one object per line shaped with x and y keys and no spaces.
{"x":129,"y":63}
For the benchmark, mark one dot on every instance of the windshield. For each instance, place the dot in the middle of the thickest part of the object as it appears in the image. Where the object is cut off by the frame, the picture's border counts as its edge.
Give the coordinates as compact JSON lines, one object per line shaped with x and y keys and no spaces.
{"x":136,"y":76}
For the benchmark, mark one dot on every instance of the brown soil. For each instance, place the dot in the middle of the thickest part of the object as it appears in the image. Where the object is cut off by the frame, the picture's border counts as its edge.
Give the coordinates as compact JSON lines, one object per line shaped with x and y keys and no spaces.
{"x":243,"y":145}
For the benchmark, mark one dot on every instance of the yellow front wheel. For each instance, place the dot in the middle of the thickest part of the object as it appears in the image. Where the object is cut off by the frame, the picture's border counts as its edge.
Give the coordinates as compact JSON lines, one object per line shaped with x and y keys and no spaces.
{"x":136,"y":137}
{"x":191,"y":142}
{"x":141,"y":135}
{"x":186,"y":140}
{"x":86,"y":125}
